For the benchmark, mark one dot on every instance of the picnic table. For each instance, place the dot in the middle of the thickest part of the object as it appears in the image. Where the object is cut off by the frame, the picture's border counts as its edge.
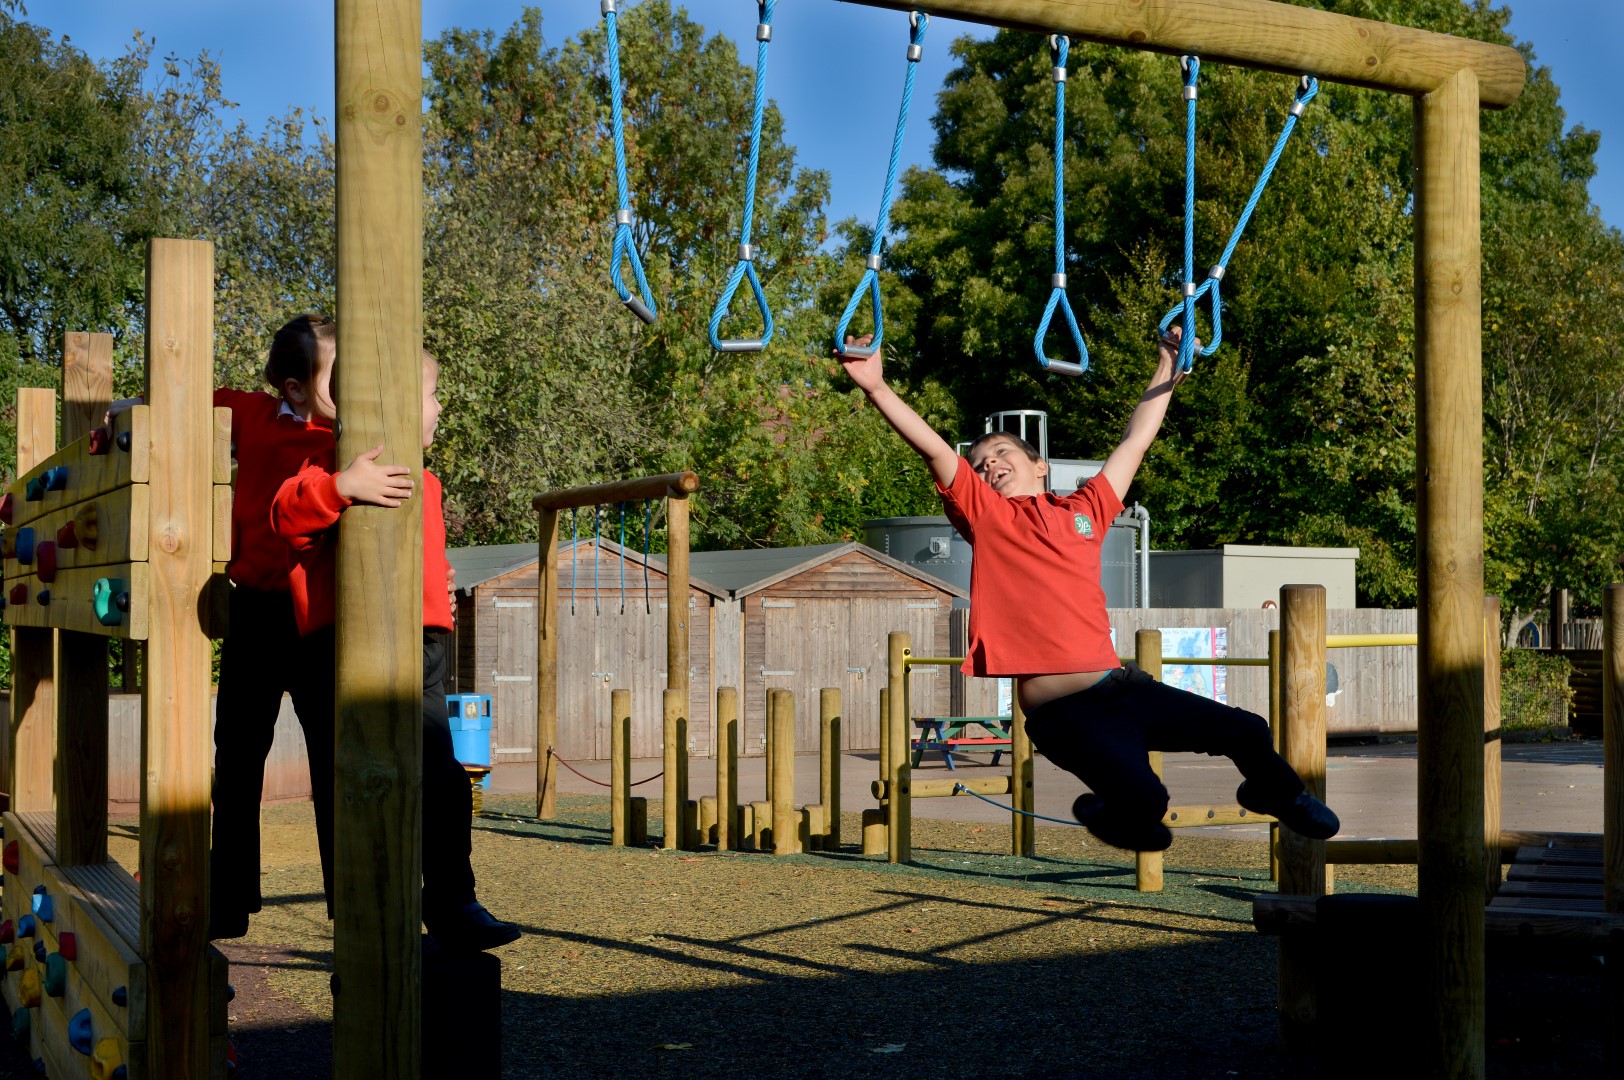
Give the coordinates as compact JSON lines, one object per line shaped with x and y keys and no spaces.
{"x":948,"y":734}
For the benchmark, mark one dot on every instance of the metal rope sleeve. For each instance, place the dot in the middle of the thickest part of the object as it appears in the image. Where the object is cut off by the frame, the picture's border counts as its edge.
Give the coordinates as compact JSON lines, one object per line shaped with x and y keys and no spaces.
{"x":918,"y":22}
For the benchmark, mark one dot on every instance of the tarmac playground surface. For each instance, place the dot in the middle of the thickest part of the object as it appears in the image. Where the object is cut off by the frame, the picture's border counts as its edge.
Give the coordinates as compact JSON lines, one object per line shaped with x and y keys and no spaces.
{"x":972,"y":962}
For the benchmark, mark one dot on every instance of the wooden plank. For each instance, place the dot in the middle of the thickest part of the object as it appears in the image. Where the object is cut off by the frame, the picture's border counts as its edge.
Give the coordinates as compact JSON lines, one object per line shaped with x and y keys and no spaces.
{"x":176,"y":756}
{"x":1563,"y":890}
{"x":669,"y":485}
{"x":70,"y":607}
{"x":221,"y":523}
{"x":31,"y":742}
{"x":119,"y":533}
{"x":1260,"y":34}
{"x":1542,"y":872}
{"x":89,"y":474}
{"x":1449,"y":556}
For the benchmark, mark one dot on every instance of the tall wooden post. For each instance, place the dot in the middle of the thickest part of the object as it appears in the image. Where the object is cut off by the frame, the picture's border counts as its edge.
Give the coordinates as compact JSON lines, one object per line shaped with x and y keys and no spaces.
{"x":727,"y":768}
{"x":620,"y":764}
{"x":377,"y":1021}
{"x":175,"y":744}
{"x":81,"y":659}
{"x":676,"y":595}
{"x":1023,"y":833}
{"x":1612,"y":711}
{"x":1147,"y":653}
{"x":1491,"y":744}
{"x":1449,"y":519}
{"x":899,"y":811}
{"x":1274,"y":733}
{"x":1302,"y":743}
{"x":829,"y":743}
{"x":673,"y":796}
{"x":33,"y":679}
{"x":547,"y":666}
{"x":786,"y":838}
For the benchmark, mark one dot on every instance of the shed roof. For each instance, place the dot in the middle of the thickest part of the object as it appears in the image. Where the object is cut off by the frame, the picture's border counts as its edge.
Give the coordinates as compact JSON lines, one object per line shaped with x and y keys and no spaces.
{"x":744,"y":572}
{"x":486,"y":562}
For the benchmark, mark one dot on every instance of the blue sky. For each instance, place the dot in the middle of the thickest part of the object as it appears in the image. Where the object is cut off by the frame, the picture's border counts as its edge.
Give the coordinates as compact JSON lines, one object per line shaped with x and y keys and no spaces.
{"x":835,"y":69}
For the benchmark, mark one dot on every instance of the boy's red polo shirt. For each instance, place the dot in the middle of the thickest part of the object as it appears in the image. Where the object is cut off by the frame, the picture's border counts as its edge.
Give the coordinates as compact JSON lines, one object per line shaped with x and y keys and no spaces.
{"x":1036,"y":603}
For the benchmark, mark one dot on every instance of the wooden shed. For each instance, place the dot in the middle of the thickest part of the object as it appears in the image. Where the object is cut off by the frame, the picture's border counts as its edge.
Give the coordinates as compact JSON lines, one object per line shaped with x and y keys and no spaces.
{"x":808,"y":617}
{"x":611,"y":611}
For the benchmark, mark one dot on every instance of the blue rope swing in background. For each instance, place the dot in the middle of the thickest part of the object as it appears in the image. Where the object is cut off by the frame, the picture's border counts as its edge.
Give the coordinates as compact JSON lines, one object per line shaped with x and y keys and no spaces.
{"x":1307,"y":87}
{"x":625,"y":249}
{"x":1059,"y":49}
{"x":746,"y":267}
{"x":917,"y":22}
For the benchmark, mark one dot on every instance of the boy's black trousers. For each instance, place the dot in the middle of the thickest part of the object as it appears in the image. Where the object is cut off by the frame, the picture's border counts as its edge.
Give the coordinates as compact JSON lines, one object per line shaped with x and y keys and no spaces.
{"x":1103,"y":736}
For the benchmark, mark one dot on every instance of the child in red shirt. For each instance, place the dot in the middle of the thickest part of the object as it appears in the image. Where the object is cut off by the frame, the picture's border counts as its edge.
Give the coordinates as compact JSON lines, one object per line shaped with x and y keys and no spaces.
{"x":305,"y":513}
{"x":1037,"y":613}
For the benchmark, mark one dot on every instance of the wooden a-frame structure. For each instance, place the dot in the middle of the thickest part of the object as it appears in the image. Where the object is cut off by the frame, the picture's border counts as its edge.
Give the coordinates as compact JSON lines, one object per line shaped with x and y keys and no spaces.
{"x":379,"y":47}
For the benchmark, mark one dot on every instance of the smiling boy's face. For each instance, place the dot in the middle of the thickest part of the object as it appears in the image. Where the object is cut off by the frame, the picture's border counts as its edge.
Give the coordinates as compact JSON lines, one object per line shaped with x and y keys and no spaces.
{"x":1006,"y":468}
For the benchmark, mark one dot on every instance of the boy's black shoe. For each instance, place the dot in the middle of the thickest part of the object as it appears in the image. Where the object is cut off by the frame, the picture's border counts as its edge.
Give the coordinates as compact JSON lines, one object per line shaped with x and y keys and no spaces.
{"x":1088,"y":809}
{"x":1303,"y":815}
{"x":470,"y":928}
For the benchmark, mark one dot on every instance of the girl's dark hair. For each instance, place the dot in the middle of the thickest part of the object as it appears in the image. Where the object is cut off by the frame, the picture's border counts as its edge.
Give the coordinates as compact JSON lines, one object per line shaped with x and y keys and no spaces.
{"x":296,"y":348}
{"x":1021,"y":444}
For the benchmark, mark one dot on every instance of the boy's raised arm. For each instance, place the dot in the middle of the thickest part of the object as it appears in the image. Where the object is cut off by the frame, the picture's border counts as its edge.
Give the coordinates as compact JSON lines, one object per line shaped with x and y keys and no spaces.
{"x":866,"y":372}
{"x":1147,"y":417}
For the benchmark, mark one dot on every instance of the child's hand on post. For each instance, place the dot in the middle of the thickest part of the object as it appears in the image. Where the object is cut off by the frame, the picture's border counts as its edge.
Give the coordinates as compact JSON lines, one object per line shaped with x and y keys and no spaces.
{"x":865,"y":371}
{"x":371,"y":484}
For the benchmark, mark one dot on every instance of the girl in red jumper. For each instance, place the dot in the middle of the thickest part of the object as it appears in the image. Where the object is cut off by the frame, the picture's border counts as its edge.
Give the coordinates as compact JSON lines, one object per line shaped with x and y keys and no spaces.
{"x":305,"y":514}
{"x":1037,"y":613}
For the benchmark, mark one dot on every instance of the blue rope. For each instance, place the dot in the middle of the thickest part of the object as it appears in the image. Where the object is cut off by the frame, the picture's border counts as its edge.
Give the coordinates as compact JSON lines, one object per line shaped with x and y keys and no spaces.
{"x":746,"y":267}
{"x":622,"y":558}
{"x":597,"y":609}
{"x":918,"y":21}
{"x":648,"y":520}
{"x":1060,"y":48}
{"x":575,"y":559}
{"x":1307,"y":88}
{"x":625,"y":248}
{"x":960,"y":789}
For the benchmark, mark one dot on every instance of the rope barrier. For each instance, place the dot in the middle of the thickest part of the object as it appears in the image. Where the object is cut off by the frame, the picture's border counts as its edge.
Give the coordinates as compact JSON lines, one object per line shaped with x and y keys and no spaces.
{"x":1060,"y":48}
{"x":870,"y":281}
{"x":960,"y":789}
{"x":746,"y":267}
{"x":625,"y":245}
{"x":600,"y":783}
{"x":1307,"y":88}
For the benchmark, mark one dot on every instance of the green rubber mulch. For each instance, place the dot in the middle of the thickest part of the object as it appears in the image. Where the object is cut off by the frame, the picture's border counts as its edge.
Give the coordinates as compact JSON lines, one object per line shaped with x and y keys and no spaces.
{"x":970,"y":963}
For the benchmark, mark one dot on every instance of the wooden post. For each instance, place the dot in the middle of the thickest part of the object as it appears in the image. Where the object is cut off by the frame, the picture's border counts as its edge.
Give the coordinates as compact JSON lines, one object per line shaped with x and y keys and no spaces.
{"x":1023,"y":833}
{"x":377,"y":998}
{"x":1491,"y":745}
{"x":1612,"y":712}
{"x":1302,"y":741}
{"x":547,"y":666}
{"x":1275,"y":717}
{"x":1449,"y":548}
{"x":676,"y":594}
{"x":727,"y":767}
{"x":786,"y":839}
{"x":175,"y":745}
{"x":620,"y":764}
{"x":33,"y":677}
{"x":829,"y":765}
{"x":1147,"y":653}
{"x":81,"y":659}
{"x":1559,"y":619}
{"x":898,"y":823}
{"x":767,"y":751}
{"x":673,"y":796}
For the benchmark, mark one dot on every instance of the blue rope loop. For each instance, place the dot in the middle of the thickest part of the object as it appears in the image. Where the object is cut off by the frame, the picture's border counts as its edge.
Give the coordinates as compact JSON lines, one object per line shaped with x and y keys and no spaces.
{"x":625,"y":245}
{"x":1060,"y":49}
{"x":1307,"y":89}
{"x":918,"y":22}
{"x":745,"y":267}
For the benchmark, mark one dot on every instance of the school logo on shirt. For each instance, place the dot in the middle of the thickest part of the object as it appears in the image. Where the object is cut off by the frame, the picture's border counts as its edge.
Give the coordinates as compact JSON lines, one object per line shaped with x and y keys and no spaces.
{"x":1085,"y":527}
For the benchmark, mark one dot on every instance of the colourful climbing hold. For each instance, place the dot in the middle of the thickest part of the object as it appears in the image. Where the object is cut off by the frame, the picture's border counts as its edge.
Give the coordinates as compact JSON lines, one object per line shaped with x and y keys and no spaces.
{"x":56,"y":975}
{"x":9,"y":858}
{"x":45,"y":560}
{"x":44,"y":906}
{"x":111,"y":598}
{"x":21,"y":1021}
{"x":40,"y":950}
{"x":67,"y":943}
{"x":8,"y":932}
{"x":107,"y":1061}
{"x":6,"y":508}
{"x":16,"y":958}
{"x":25,"y":926}
{"x":44,"y":597}
{"x":34,"y":490}
{"x":67,"y":536}
{"x":55,"y":478}
{"x":79,"y":1033}
{"x":99,"y":442}
{"x":121,"y":995}
{"x":18,"y":595}
{"x":25,"y":545}
{"x":28,"y":987}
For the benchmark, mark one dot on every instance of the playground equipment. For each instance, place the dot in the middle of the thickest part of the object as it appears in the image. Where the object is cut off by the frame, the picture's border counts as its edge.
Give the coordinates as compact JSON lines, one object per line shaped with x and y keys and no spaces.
{"x":674,"y":488}
{"x":124,"y":982}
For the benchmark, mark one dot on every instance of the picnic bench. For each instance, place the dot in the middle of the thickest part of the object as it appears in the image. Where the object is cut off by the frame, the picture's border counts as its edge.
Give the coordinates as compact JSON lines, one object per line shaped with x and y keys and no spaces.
{"x":948,"y":734}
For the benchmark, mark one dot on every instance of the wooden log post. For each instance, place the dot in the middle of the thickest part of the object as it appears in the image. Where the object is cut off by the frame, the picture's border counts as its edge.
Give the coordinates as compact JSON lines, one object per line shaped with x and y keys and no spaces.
{"x":175,"y":744}
{"x":377,"y":998}
{"x":1449,"y":542}
{"x":1302,"y":743}
{"x":1491,"y":745}
{"x":32,"y":750}
{"x":786,"y":839}
{"x":898,"y":818}
{"x":547,"y":665}
{"x":727,"y":767}
{"x":829,"y":743}
{"x":620,"y":765}
{"x":676,"y":593}
{"x":876,"y":832}
{"x":1023,"y":800}
{"x":81,"y":659}
{"x":768,"y":731}
{"x":1147,"y":653}
{"x":673,"y":795}
{"x":1275,"y":719}
{"x":1612,"y":711}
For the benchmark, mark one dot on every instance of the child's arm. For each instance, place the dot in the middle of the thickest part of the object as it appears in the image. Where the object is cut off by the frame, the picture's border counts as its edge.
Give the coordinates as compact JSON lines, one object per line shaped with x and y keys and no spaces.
{"x":865,"y":371}
{"x":1146,"y":420}
{"x":310,"y":502}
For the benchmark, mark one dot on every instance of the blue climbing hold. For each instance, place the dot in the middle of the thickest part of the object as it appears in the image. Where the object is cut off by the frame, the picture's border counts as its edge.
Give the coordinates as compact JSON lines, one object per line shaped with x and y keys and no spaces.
{"x":79,"y":1033}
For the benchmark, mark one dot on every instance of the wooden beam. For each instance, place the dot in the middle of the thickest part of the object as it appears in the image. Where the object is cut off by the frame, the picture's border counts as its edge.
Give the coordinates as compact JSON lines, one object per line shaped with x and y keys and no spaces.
{"x":32,"y":741}
{"x":669,"y":485}
{"x":1302,"y":744}
{"x":1259,"y":34}
{"x":176,"y":751}
{"x":377,"y":1015}
{"x":1449,"y":543}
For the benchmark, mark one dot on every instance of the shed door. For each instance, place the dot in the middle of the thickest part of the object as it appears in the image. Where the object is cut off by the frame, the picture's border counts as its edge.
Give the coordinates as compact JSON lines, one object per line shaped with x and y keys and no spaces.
{"x":806,"y":651}
{"x":872,"y":622}
{"x":513,"y":705}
